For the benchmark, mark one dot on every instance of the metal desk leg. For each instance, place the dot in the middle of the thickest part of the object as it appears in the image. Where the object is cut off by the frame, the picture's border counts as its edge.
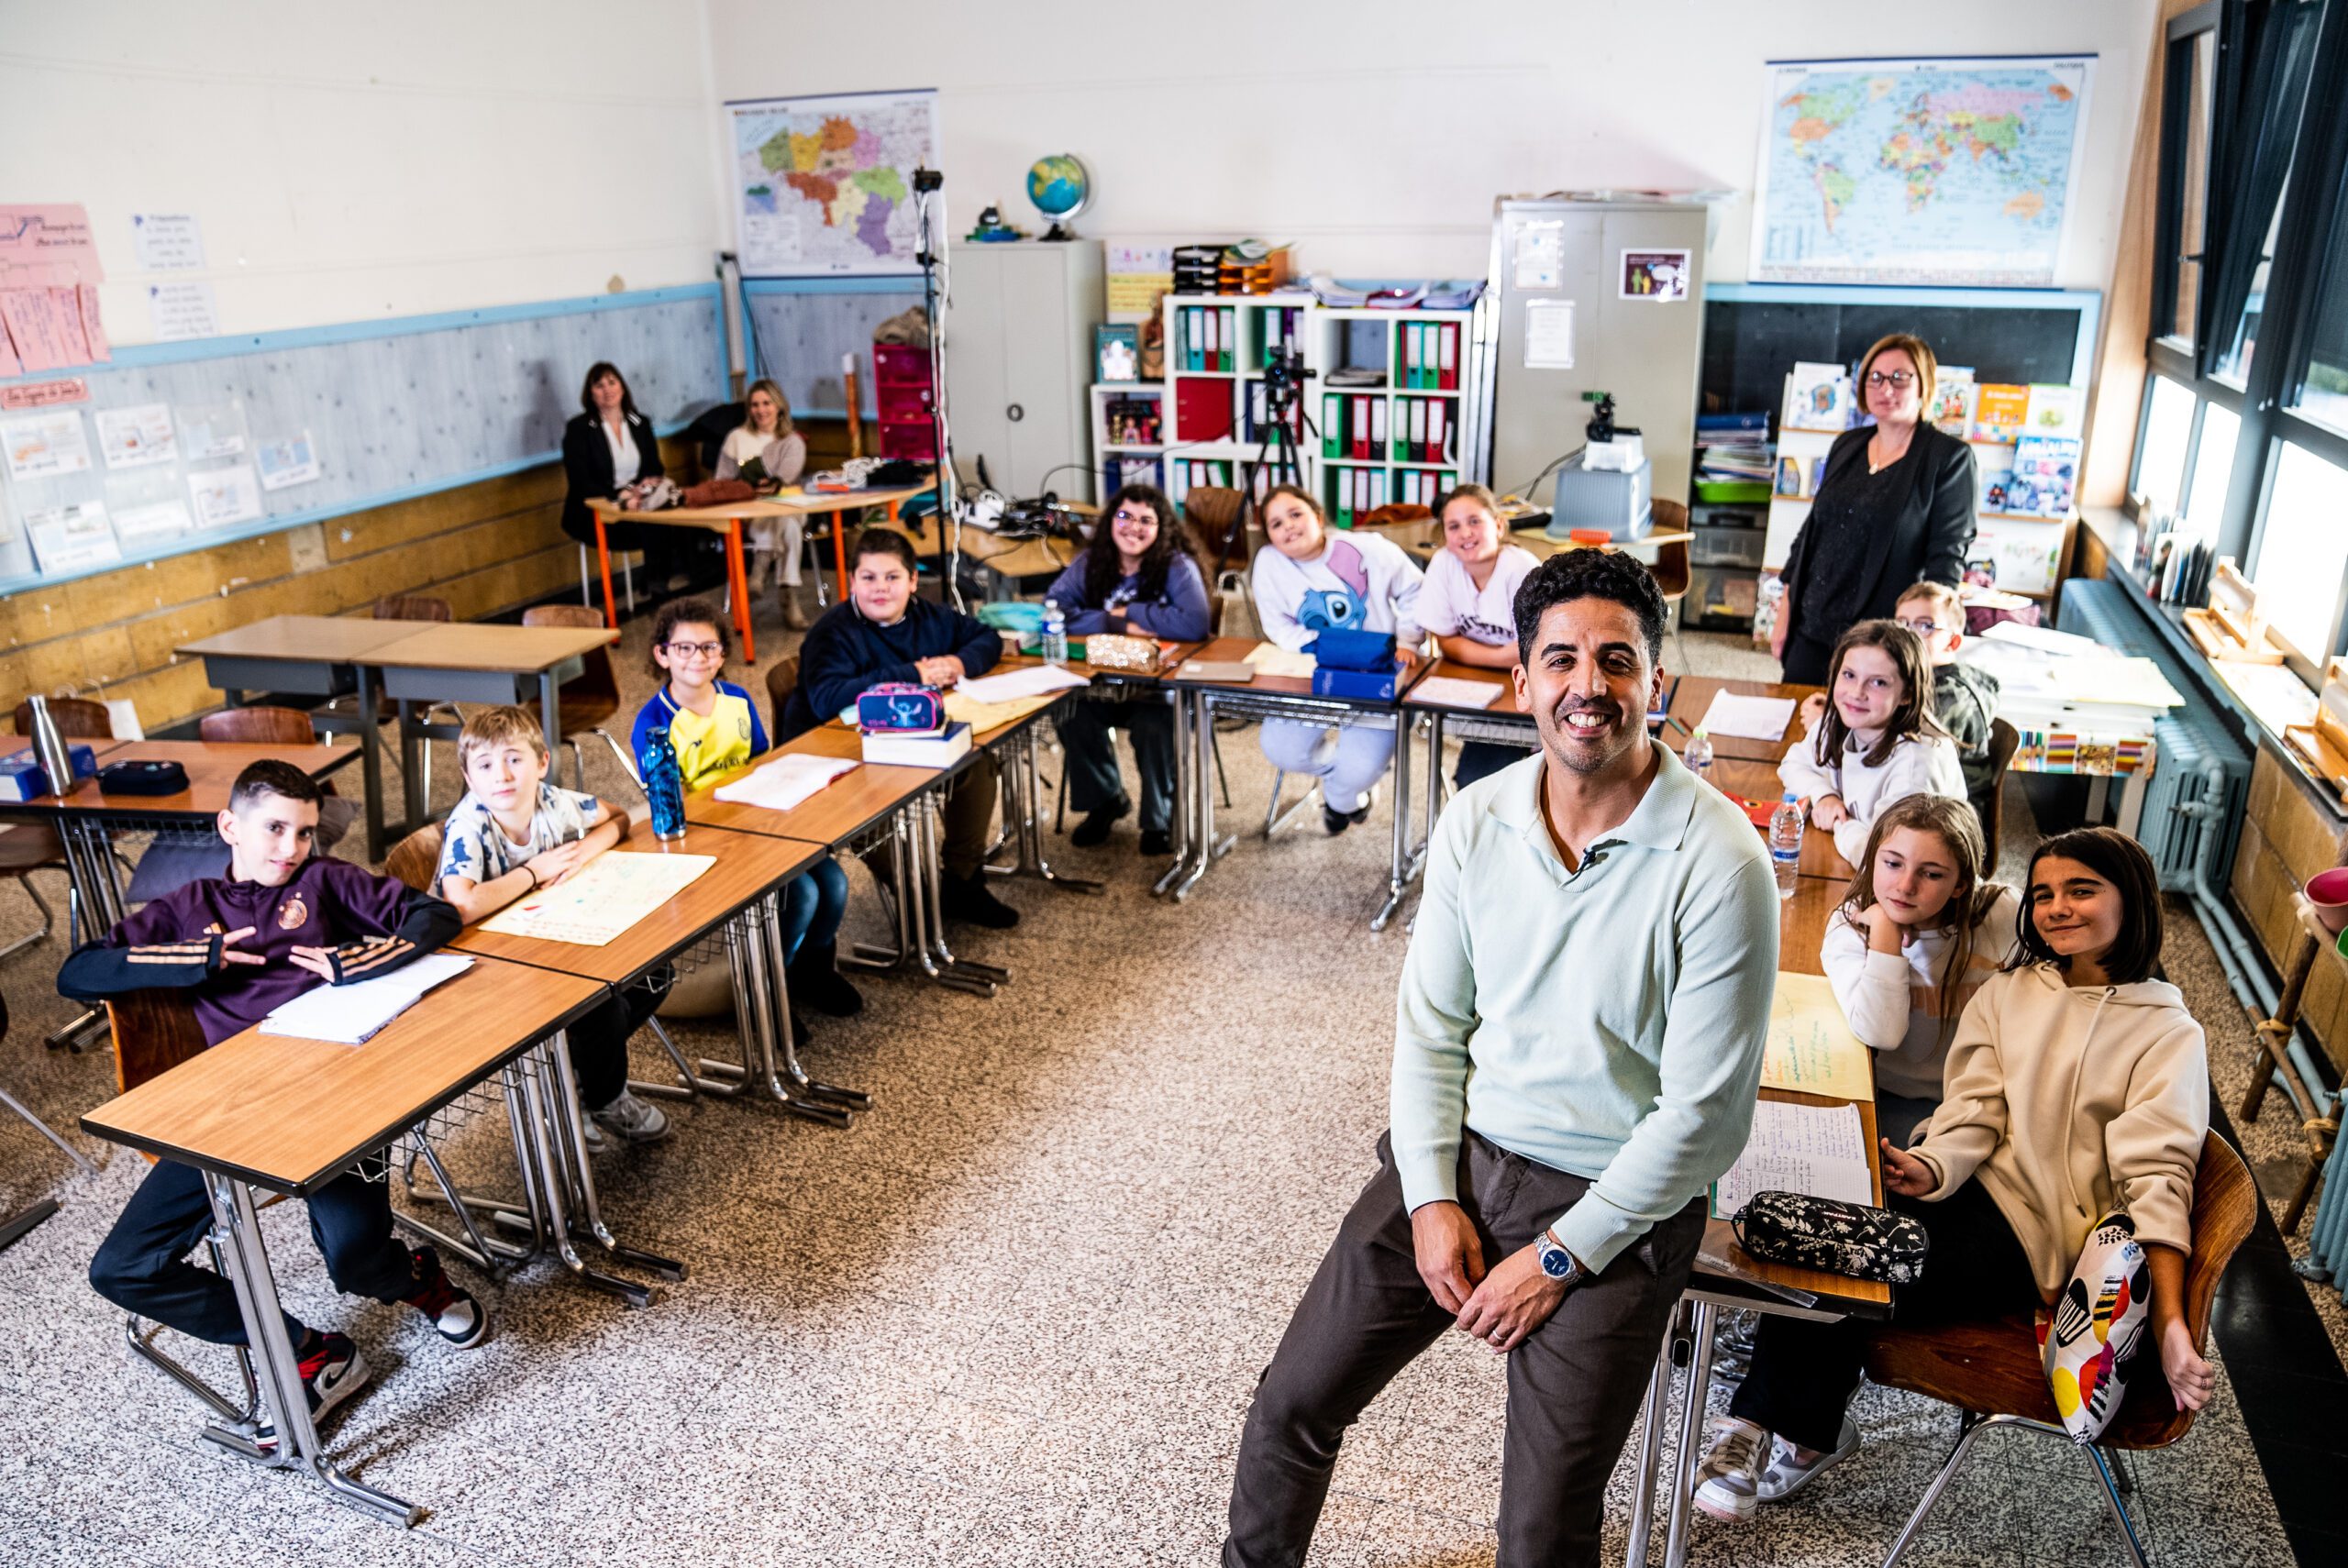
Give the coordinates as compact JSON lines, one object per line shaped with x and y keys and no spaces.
{"x":1701,"y":1317}
{"x":45,"y":1131}
{"x":1402,"y":866}
{"x":937,"y":958}
{"x":1186,"y":779}
{"x":548,"y":1173}
{"x":1434,"y":774}
{"x":278,"y":1372}
{"x":571,"y":1134}
{"x":550,"y":711}
{"x":753,"y":938}
{"x":1024,"y":781}
{"x":604,"y":560}
{"x":785,"y":1078}
{"x":1205,"y":848}
{"x":904,"y":891}
{"x":370,"y":763}
{"x":417,"y":809}
{"x":1650,"y":1452}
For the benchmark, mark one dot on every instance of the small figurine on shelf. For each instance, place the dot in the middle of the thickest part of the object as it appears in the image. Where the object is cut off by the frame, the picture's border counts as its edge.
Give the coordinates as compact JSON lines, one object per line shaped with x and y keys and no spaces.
{"x":991,"y":229}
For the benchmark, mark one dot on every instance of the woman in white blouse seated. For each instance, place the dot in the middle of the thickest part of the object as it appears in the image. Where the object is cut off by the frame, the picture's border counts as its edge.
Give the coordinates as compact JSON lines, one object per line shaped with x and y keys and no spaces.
{"x":610,"y":453}
{"x":766,"y":452}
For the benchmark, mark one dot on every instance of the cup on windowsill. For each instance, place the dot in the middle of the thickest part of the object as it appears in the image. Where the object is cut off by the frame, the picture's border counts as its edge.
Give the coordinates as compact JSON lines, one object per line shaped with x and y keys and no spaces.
{"x":2327,"y":894}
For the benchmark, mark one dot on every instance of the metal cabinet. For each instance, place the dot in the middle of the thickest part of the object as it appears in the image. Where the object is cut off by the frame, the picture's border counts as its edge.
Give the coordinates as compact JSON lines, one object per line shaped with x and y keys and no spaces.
{"x":1019,"y":328}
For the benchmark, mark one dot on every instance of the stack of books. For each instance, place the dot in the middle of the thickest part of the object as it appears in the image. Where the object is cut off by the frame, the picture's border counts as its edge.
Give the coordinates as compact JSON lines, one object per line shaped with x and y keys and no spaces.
{"x":941,"y":747}
{"x":1735,"y":459}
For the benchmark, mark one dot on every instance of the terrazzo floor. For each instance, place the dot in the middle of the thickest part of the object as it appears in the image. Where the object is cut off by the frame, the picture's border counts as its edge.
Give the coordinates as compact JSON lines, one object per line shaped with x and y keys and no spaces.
{"x":1011,"y":1317}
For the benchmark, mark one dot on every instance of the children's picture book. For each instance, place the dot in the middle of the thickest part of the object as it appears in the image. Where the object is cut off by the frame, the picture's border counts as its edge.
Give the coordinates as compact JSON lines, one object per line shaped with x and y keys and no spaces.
{"x":1952,"y":406}
{"x":2046,"y":472}
{"x":1999,"y":411}
{"x":2014,"y":554}
{"x":2054,"y":410}
{"x":1993,"y":477}
{"x":1818,"y":397}
{"x":1790,"y":477}
{"x":1117,"y":352}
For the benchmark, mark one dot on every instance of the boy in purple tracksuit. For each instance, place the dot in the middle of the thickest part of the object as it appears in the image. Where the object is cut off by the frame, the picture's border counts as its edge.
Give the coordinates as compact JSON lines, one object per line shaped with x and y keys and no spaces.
{"x":281,"y":922}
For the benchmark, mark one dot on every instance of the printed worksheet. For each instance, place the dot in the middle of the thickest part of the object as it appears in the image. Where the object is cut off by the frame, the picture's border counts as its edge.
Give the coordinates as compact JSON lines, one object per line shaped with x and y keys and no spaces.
{"x":1816,"y":1149}
{"x":610,"y":893}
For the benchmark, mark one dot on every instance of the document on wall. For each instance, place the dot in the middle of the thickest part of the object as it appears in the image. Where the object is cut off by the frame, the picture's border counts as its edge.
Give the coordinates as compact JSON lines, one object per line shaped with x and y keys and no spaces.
{"x":167,"y":242}
{"x":66,"y":538}
{"x":1033,"y":681}
{"x":211,"y":430}
{"x":1816,"y":1149}
{"x":1811,"y":1047}
{"x":180,"y":311}
{"x":1748,"y":718}
{"x":610,"y":893}
{"x":226,"y":495}
{"x":291,"y":461}
{"x":152,"y":520}
{"x":132,"y":438}
{"x":46,"y":445}
{"x":355,"y":1014}
{"x":1548,"y":335}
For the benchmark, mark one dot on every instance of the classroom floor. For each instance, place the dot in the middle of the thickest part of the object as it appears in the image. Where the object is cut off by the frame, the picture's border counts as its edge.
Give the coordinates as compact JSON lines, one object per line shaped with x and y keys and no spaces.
{"x":1013,"y":1317}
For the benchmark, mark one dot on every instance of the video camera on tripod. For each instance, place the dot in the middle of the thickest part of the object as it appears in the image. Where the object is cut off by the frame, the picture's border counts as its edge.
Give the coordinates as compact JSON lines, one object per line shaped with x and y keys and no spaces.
{"x":1285,"y":373}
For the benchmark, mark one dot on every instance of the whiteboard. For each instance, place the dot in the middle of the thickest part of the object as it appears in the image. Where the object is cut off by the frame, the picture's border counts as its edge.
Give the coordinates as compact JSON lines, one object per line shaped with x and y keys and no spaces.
{"x":391,"y":410}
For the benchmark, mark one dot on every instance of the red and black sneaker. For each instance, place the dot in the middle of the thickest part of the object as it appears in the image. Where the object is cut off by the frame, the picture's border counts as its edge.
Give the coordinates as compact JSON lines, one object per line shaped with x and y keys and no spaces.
{"x":332,"y":1372}
{"x":457,"y":1316}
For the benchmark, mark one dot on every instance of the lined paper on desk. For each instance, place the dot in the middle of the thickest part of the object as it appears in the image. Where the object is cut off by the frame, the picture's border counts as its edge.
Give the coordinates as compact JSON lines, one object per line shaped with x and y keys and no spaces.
{"x":1749,"y":718}
{"x":1035,"y":680}
{"x":352,"y":1014}
{"x":1453,"y":692}
{"x":1818,"y":1149}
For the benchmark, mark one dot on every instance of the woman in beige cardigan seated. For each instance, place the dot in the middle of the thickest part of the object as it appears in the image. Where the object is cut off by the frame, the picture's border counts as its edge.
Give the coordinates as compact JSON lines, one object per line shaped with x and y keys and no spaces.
{"x":767,"y":453}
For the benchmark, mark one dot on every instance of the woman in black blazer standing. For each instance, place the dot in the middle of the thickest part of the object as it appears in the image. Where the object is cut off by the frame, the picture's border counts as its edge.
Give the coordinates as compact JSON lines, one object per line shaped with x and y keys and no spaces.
{"x":1894,"y":507}
{"x":608,"y":451}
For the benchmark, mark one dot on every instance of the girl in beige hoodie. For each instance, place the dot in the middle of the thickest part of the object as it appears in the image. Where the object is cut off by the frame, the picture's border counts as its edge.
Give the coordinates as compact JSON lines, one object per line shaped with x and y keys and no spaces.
{"x":2075,"y":1085}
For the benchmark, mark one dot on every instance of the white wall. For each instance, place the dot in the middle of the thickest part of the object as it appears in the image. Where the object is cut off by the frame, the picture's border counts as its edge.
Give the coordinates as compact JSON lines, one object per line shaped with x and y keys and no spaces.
{"x":351,"y":162}
{"x":1378,"y":132}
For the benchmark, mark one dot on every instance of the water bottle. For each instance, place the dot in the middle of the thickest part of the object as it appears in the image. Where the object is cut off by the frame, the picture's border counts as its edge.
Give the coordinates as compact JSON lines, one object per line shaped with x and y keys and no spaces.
{"x":49,"y":747}
{"x":664,"y":786}
{"x":1698,"y":754}
{"x":1785,"y":843}
{"x":1054,"y":633}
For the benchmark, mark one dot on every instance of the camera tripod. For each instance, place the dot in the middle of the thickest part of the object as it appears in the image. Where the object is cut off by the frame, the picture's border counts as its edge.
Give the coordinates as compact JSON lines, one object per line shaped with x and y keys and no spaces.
{"x":1283,"y":390}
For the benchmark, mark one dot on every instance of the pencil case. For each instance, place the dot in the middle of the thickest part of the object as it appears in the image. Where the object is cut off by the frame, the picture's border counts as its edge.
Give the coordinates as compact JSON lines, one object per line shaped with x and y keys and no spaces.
{"x":1106,"y":651}
{"x":899,"y":705}
{"x":142,"y":778}
{"x":1344,"y":649}
{"x":1368,"y":685}
{"x":1832,"y":1236}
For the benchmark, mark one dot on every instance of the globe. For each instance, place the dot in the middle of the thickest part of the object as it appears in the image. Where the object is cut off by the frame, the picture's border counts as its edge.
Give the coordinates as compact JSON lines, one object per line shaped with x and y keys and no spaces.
{"x":1060,"y":187}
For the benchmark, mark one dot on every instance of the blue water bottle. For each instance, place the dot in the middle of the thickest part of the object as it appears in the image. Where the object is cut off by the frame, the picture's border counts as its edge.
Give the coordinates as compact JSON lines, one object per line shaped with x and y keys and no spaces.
{"x":664,"y":786}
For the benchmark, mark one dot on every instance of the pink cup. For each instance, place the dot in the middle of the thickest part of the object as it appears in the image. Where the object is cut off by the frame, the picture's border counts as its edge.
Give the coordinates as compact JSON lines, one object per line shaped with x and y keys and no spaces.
{"x":2328,"y":892}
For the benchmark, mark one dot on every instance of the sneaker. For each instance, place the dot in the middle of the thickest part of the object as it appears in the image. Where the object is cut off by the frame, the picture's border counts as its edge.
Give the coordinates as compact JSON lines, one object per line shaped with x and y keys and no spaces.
{"x":592,"y":1136}
{"x":1095,"y":829}
{"x":332,"y":1372}
{"x":1156,"y":842}
{"x":802,"y":1030}
{"x":1335,"y":822}
{"x":794,"y":617}
{"x":633,"y":1120}
{"x":457,"y":1316}
{"x":1785,"y":1475}
{"x":814,"y":979}
{"x":1730,"y":1475}
{"x":967,"y":899}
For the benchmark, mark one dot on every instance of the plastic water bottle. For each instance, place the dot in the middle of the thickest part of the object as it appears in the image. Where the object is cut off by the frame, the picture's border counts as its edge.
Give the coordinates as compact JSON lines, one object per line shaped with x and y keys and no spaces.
{"x":664,"y":786}
{"x":1698,"y":754}
{"x":1785,"y":843}
{"x":1054,"y":633}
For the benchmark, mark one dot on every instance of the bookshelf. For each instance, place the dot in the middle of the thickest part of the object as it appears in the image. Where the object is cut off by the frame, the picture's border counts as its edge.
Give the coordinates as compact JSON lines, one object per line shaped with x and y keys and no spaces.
{"x":1122,"y":411}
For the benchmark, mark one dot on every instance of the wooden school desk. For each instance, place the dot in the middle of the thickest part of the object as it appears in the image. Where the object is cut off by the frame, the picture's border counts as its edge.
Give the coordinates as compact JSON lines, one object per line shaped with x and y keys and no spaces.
{"x":816,"y":503}
{"x":726,"y":520}
{"x":285,"y":1115}
{"x":312,"y":656}
{"x":738,"y":899}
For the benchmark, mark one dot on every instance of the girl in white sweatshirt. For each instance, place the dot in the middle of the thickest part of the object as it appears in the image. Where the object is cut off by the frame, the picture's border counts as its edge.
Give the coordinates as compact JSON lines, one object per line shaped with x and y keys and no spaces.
{"x":2076,"y":1085}
{"x":1917,"y":937}
{"x":1875,"y":741}
{"x":1307,"y":581}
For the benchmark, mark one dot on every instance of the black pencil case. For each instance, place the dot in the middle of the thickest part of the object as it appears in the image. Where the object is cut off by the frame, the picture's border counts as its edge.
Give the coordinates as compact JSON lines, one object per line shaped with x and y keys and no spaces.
{"x":1834,"y":1237}
{"x":142,"y":778}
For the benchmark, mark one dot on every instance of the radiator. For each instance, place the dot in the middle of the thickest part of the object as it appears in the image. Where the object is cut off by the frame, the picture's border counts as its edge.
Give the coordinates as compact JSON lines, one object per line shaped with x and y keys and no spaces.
{"x":2200,"y":790}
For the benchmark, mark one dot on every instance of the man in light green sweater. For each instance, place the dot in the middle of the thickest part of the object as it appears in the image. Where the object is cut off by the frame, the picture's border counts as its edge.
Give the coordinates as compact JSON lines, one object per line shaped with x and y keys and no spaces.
{"x":1578,"y":1049}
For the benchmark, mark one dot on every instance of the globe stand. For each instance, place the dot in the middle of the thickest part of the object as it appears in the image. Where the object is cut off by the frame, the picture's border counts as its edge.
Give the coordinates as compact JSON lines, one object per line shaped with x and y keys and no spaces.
{"x":1057,"y":233}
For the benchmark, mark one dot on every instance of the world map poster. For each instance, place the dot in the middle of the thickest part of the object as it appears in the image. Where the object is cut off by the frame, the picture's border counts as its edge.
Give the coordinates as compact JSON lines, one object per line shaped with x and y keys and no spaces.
{"x":1918,"y":172}
{"x":826,"y":185}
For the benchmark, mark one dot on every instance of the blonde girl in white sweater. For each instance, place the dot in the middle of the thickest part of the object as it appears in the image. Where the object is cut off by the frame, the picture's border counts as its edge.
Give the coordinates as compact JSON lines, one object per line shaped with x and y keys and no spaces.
{"x":766,"y":437}
{"x":1873,"y":740}
{"x":1918,"y":934}
{"x":2076,"y":1085}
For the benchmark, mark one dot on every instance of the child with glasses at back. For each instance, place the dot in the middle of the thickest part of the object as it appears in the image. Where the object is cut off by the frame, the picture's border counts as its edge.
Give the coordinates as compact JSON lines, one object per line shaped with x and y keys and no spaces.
{"x":715,"y":726}
{"x":1964,"y":699}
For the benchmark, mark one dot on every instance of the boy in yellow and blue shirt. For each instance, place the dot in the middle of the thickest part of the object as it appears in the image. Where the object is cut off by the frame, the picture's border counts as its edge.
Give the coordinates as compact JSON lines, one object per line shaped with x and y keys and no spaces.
{"x":713,"y":726}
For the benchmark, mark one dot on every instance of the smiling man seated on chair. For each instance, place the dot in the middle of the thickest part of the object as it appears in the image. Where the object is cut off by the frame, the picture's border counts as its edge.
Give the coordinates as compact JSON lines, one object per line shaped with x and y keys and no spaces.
{"x":281,"y":921}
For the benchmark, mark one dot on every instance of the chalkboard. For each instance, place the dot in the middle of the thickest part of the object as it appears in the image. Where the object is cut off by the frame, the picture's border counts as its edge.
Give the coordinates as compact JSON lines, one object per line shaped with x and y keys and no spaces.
{"x":1751,"y":342}
{"x":390,"y":410}
{"x":799,"y":328}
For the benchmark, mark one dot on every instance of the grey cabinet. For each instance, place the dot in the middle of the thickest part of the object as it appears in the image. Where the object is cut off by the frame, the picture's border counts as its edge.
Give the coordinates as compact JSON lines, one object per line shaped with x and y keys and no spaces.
{"x":1018,"y":359}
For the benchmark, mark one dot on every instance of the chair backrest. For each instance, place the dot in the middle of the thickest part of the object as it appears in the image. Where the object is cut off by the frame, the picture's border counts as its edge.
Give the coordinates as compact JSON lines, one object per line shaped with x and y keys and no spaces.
{"x":264,"y":725}
{"x":2004,"y":741}
{"x":154,"y":1032}
{"x":1211,"y":510}
{"x":598,"y":679}
{"x":77,"y":718}
{"x":412,"y":607}
{"x":416,"y":859}
{"x":782,"y":679}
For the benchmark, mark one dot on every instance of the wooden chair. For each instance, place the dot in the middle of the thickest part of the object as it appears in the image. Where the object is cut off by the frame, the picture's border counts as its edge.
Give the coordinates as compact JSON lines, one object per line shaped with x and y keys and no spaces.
{"x":2004,"y":741}
{"x":587,"y":701}
{"x":412,"y":607}
{"x":261,"y":724}
{"x":782,"y":679}
{"x":77,"y":718}
{"x":1209,"y":511}
{"x":1992,"y":1372}
{"x":416,"y":859}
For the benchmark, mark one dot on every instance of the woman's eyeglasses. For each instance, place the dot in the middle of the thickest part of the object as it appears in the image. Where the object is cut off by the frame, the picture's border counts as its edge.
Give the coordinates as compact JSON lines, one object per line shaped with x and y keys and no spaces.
{"x":1896,"y":379}
{"x":695,"y":650}
{"x":1124,"y":517}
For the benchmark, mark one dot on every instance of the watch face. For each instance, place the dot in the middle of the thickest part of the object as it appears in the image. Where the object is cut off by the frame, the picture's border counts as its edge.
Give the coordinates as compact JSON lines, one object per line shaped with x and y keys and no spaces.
{"x":1557,"y":1263}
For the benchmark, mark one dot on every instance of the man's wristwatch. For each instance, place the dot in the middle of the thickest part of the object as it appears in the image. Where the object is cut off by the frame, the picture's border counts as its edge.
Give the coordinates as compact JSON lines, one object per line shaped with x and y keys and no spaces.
{"x":1555,"y":1261}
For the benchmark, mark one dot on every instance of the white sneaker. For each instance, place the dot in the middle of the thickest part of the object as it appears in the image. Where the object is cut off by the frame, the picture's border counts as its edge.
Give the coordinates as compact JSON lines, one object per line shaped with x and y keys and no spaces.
{"x":633,"y":1120}
{"x":1784,"y":1475}
{"x":1729,"y":1476}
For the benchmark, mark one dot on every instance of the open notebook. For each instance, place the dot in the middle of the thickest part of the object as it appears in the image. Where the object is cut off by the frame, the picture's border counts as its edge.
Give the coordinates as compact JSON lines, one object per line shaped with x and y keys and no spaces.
{"x":352,"y":1014}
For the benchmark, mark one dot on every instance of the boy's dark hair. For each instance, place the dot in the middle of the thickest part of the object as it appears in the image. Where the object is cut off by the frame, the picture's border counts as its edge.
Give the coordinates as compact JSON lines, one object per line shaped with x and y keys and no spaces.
{"x":1104,"y":568}
{"x":271,"y":777}
{"x":683,"y":612}
{"x":1914,"y":716}
{"x":2120,"y":861}
{"x":888,"y":542}
{"x":1589,"y":574}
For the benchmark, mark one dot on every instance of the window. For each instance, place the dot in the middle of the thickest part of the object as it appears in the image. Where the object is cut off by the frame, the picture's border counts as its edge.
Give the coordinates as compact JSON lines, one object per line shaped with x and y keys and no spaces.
{"x":2185,"y":181}
{"x":2233,"y":365}
{"x":2324,"y":395}
{"x":2160,"y":456}
{"x":2213,"y":465}
{"x":2303,"y":550}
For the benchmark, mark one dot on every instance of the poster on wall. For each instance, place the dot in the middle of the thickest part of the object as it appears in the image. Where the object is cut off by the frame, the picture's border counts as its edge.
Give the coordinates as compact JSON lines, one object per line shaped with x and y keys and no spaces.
{"x":1951,"y":172}
{"x":46,"y":445}
{"x":226,"y":495}
{"x":133,"y":438}
{"x":825,"y":185}
{"x":1657,"y":277}
{"x":66,"y":538}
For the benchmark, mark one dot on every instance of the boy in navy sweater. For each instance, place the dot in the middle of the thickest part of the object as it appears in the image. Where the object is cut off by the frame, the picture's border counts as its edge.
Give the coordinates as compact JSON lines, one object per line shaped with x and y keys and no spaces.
{"x":281,"y":922}
{"x":883,"y":631}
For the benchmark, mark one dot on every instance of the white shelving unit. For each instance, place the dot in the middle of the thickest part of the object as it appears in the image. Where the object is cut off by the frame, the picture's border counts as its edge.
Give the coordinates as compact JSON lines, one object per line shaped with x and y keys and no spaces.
{"x":1120,"y":462}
